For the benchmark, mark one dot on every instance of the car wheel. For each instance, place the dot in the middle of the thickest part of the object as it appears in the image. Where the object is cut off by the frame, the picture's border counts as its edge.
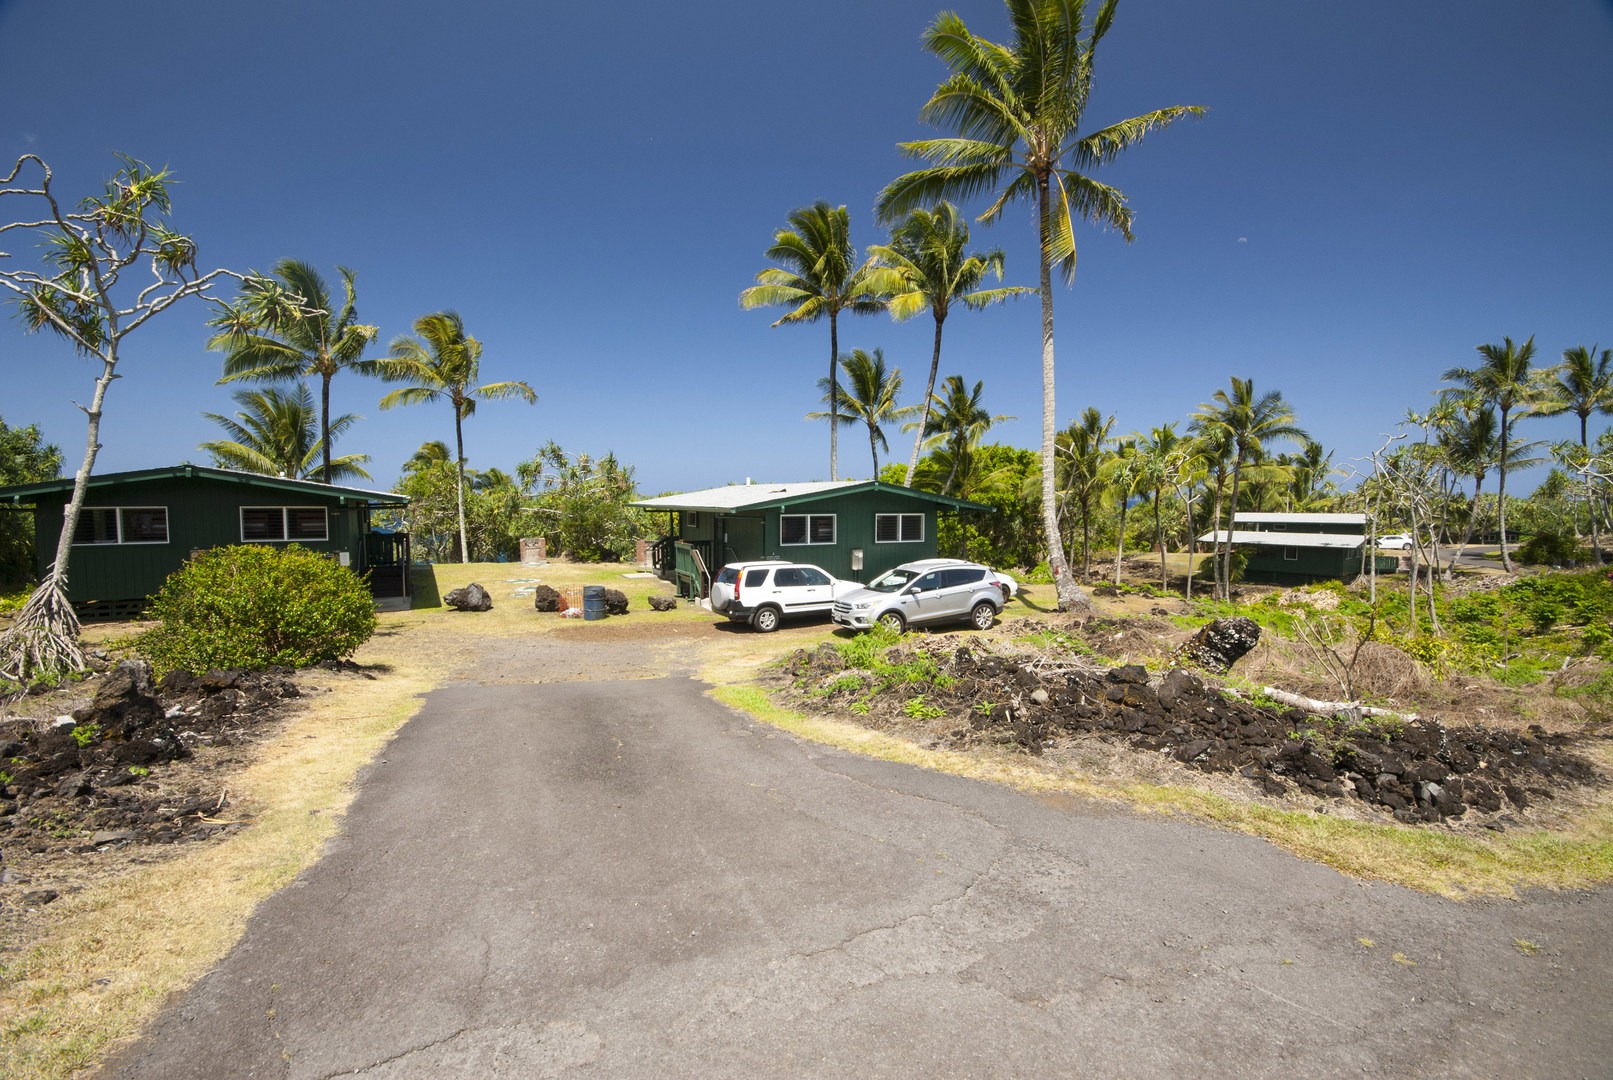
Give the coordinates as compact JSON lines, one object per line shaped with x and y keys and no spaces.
{"x":893,"y":621}
{"x":1007,"y":596}
{"x":765,"y":620}
{"x":982,"y":615}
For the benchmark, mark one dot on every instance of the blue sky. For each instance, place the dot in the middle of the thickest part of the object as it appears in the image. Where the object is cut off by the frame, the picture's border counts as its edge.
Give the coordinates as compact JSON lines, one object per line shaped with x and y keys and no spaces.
{"x":1379,"y":188}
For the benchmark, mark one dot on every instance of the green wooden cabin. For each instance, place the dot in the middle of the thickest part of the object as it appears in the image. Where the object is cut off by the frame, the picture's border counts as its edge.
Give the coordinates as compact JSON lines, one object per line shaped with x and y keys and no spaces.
{"x":855,"y":530}
{"x":136,"y":528}
{"x":1297,"y":549}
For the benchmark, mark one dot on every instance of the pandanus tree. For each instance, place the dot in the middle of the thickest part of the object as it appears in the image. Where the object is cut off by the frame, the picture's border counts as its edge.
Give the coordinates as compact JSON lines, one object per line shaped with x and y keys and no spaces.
{"x":868,"y":397}
{"x":1505,"y":379}
{"x":104,"y":271}
{"x":443,"y":363}
{"x":285,"y":328}
{"x":927,"y":267}
{"x":276,"y":433}
{"x":818,"y":277}
{"x":1016,"y":112}
{"x":1245,"y":424}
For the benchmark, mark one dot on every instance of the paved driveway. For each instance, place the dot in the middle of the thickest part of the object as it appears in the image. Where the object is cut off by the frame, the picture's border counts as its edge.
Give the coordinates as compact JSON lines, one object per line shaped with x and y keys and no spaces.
{"x":623,"y":879}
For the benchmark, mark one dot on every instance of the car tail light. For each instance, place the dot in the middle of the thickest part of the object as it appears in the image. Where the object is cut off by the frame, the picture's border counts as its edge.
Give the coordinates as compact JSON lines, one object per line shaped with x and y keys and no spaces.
{"x":739,"y":579}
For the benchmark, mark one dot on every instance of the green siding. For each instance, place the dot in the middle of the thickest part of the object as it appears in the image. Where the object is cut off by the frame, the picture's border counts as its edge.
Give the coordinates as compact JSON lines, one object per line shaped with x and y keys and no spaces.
{"x":202,"y":513}
{"x":755,"y":534}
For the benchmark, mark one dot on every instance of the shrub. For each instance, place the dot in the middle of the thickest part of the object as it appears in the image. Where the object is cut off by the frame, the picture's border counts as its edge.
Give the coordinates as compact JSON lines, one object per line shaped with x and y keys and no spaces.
{"x":251,"y":606}
{"x":1552,"y":549}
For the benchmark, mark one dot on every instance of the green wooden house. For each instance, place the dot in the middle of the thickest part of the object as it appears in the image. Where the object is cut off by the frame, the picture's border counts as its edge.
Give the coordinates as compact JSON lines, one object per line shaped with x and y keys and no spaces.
{"x":1297,"y":549}
{"x":136,"y":528}
{"x":855,"y":530}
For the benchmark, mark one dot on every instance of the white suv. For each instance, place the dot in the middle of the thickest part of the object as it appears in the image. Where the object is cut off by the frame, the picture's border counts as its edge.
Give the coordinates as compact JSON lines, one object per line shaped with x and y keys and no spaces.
{"x":920,"y":593}
{"x":763,"y":593}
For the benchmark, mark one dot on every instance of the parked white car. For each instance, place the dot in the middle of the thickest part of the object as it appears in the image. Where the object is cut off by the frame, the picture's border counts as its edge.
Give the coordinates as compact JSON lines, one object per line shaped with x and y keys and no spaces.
{"x":922,"y":593}
{"x":1397,"y":542}
{"x":766,"y":592}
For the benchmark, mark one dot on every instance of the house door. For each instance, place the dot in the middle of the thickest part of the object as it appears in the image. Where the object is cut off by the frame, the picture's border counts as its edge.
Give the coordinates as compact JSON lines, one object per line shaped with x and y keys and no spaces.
{"x":740,"y":539}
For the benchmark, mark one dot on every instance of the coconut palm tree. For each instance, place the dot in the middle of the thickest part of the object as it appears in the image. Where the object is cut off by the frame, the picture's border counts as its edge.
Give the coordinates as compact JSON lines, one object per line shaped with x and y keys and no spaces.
{"x":1246,"y":423}
{"x":444,"y":362}
{"x":926,"y":266}
{"x":1016,"y":111}
{"x":277,"y":434}
{"x":818,"y":277}
{"x":1122,"y":472}
{"x":867,"y":396}
{"x":1081,"y":449}
{"x":1161,"y":454}
{"x":1506,"y":380}
{"x":1582,"y":384}
{"x":285,"y":327}
{"x":958,"y":421}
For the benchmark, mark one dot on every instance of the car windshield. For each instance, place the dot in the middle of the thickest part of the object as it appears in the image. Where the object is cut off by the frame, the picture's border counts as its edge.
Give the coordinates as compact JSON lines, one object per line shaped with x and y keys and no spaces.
{"x":892,"y":580}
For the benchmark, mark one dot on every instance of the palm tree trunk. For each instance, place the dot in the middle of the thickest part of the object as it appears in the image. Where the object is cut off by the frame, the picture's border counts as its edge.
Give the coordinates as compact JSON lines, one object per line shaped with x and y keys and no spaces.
{"x":929,"y":393}
{"x":1120,"y":539}
{"x":324,"y":423}
{"x":834,"y":395}
{"x":459,"y":487}
{"x":1086,"y":539}
{"x":1226,"y":566}
{"x":1070,"y":596}
{"x":1467,"y":533}
{"x":1215,"y":548}
{"x":873,"y":447}
{"x":1192,"y":541}
{"x":1501,"y":484}
{"x":1159,"y":538}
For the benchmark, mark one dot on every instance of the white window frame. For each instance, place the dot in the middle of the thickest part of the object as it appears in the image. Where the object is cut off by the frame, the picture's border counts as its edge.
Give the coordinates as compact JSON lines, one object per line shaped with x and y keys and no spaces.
{"x":285,"y":536}
{"x":900,"y":539}
{"x":117,"y":522}
{"x":1291,"y":554}
{"x":834,"y":530}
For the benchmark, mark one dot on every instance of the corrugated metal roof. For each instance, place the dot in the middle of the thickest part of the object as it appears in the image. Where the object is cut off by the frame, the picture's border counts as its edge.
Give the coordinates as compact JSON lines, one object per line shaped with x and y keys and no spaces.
{"x":751,"y":496}
{"x":1285,"y":539}
{"x":1299,"y":519}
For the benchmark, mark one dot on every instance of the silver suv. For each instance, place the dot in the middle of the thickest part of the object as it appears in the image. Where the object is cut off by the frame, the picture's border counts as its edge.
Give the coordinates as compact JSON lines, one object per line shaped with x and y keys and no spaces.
{"x":764,"y":593}
{"x":921,"y":593}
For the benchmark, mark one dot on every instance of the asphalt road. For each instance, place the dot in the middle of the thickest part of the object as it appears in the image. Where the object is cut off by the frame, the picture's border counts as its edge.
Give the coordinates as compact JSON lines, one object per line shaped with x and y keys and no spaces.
{"x":623,"y":879}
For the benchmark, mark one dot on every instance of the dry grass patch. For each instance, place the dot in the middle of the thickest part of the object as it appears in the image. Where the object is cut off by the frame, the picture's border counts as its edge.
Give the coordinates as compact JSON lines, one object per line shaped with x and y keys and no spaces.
{"x":105,"y":959}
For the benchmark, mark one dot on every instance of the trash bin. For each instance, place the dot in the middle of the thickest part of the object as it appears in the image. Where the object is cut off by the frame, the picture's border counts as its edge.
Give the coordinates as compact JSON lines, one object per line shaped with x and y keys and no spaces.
{"x":593,"y":602}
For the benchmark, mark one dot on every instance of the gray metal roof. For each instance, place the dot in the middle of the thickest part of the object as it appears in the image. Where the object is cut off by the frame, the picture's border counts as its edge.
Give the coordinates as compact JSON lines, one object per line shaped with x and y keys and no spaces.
{"x":1285,"y":539}
{"x":1298,"y":519}
{"x":751,"y":496}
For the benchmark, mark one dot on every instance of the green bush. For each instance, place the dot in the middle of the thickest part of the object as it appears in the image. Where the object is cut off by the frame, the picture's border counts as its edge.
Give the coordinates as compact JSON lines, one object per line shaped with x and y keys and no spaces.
{"x":1552,"y":549}
{"x":251,"y":606}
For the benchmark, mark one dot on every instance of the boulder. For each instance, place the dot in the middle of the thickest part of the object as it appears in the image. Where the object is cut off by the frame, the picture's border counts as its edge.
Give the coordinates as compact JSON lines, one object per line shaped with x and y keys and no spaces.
{"x":125,"y":703}
{"x":663,"y":603}
{"x":546,"y":598}
{"x":471,"y":598}
{"x":615,"y":602}
{"x":1220,"y":644}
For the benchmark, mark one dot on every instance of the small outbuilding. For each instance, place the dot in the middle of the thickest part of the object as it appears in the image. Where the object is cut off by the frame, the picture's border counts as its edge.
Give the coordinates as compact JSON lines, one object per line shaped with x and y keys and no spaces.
{"x":136,"y":528}
{"x":853,"y":529}
{"x":1296,"y":549}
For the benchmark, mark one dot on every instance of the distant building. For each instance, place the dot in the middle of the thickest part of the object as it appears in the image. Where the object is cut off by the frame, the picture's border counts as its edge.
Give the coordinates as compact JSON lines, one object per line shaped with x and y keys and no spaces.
{"x":853,"y":529}
{"x":1296,"y":549}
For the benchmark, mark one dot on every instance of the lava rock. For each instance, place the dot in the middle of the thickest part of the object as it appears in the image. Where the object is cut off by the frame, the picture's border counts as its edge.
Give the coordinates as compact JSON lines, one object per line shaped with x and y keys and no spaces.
{"x":547,"y":598}
{"x":615,"y":602}
{"x":662,"y":603}
{"x":1220,"y":644}
{"x":471,"y":598}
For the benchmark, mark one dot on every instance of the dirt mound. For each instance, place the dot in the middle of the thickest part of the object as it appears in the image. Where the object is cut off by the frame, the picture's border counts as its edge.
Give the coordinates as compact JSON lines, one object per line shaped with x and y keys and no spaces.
{"x":1420,"y":771}
{"x":92,"y":772}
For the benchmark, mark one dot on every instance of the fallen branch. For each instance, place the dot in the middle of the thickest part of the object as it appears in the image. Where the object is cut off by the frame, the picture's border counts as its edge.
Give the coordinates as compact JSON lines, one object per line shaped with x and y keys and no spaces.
{"x":1352,"y":709}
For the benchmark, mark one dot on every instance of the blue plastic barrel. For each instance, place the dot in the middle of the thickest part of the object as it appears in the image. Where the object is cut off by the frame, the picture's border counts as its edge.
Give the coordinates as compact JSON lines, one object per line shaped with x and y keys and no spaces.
{"x":593,"y":602}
